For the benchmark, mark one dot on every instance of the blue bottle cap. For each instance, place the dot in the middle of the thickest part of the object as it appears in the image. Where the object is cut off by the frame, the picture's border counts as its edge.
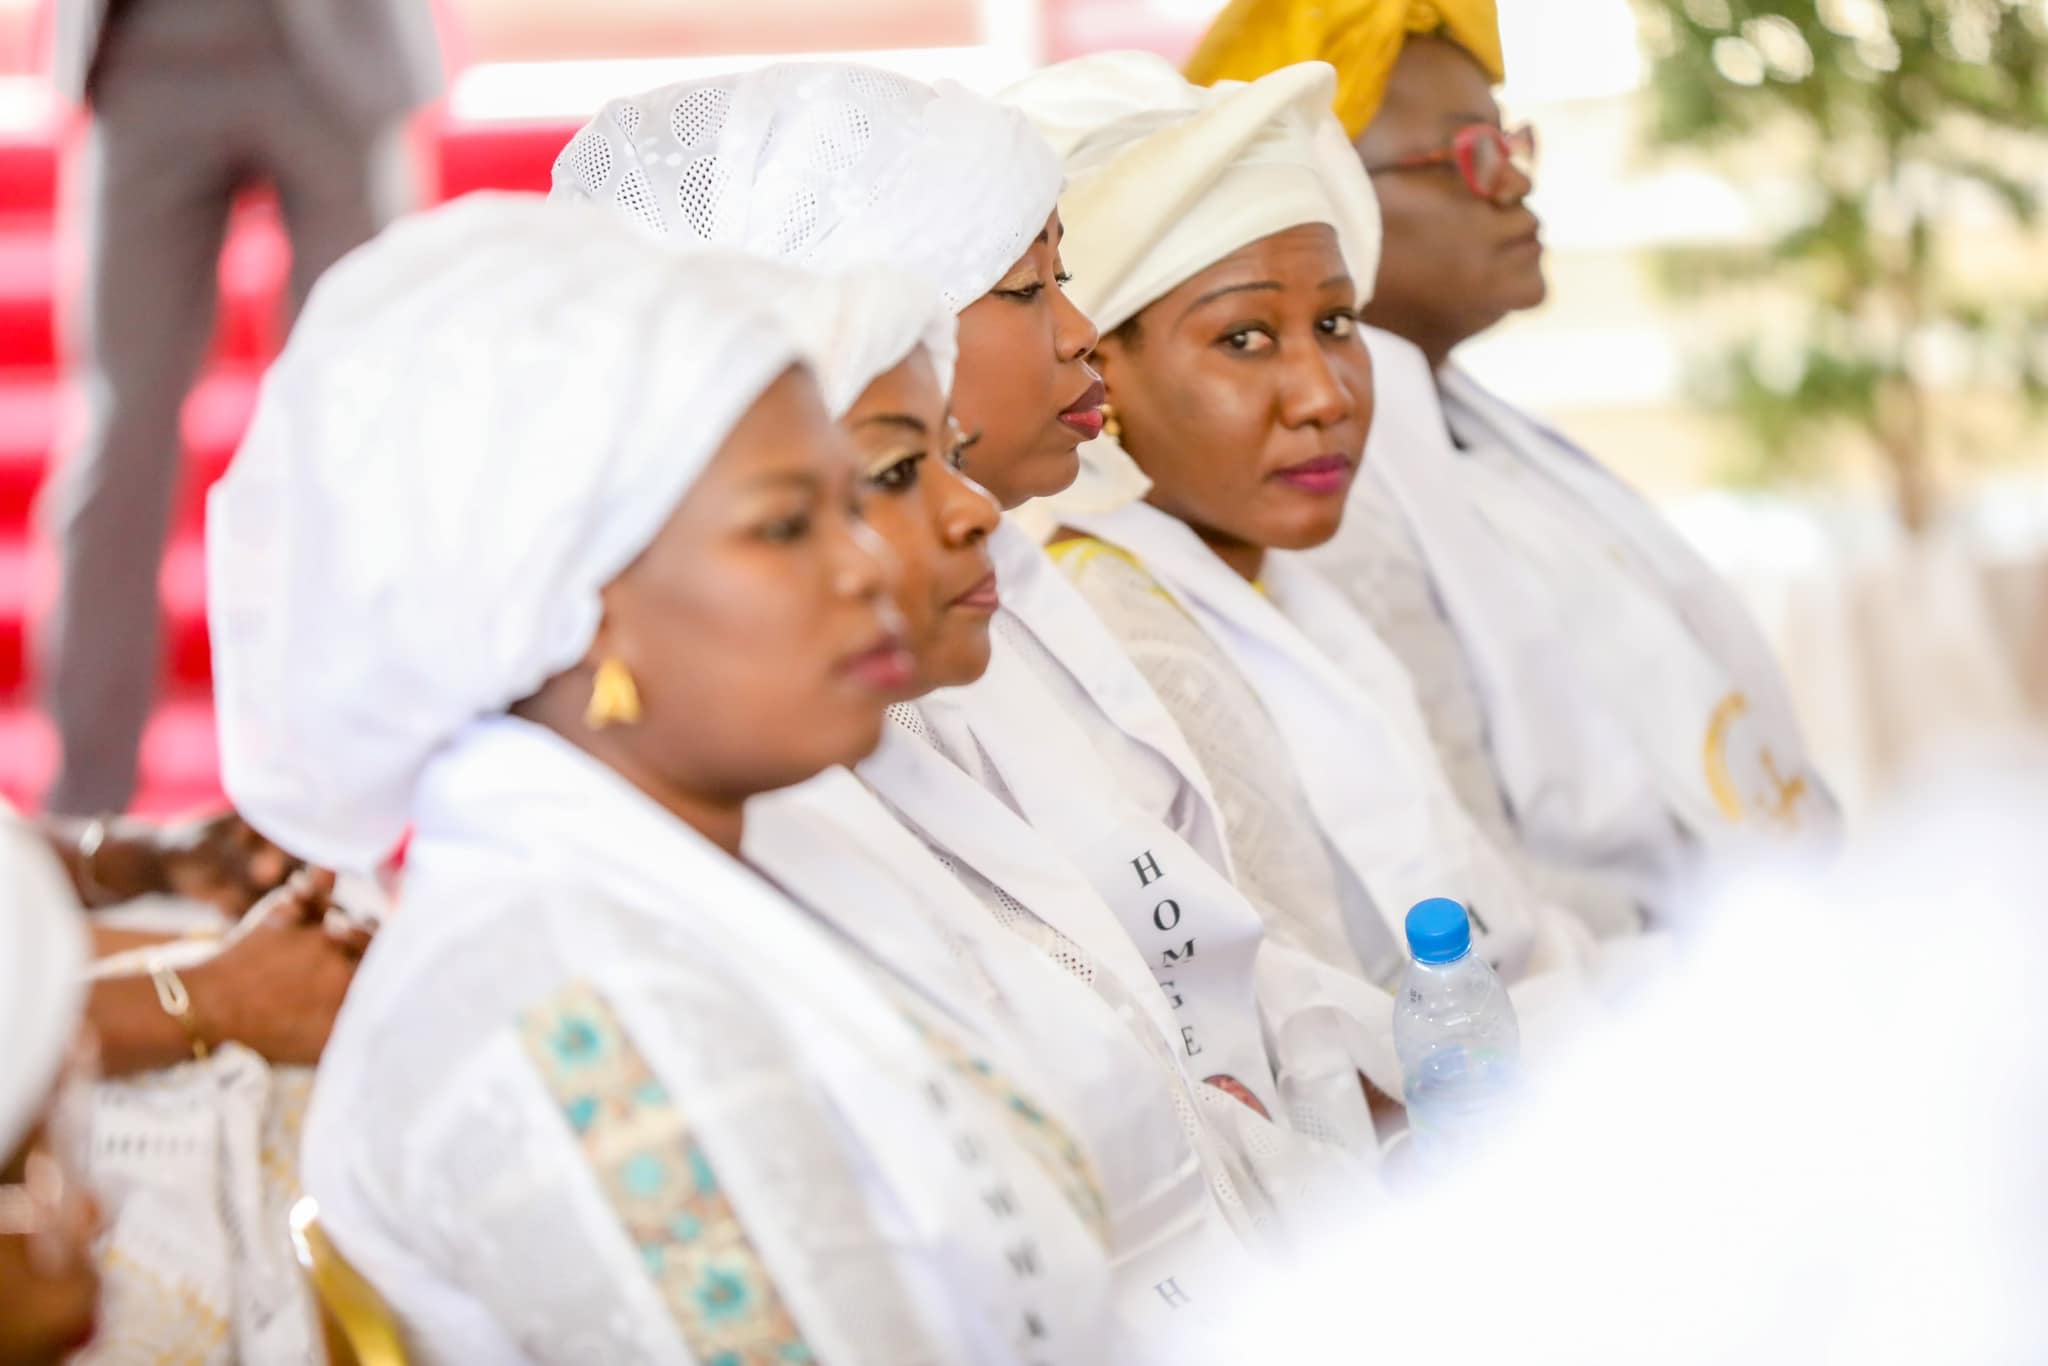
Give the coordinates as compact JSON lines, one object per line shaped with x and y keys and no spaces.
{"x":1439,"y":931}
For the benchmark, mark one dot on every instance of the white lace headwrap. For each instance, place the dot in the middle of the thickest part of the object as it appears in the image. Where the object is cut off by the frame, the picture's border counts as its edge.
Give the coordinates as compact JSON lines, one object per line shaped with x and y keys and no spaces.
{"x":865,"y":325}
{"x":1165,"y":178}
{"x":860,"y":324}
{"x":481,"y":419}
{"x":42,"y":975}
{"x":829,"y":165}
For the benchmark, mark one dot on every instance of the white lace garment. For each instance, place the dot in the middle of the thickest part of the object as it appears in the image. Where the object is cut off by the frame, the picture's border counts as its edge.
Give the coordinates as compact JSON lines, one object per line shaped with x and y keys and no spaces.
{"x":1379,"y":568}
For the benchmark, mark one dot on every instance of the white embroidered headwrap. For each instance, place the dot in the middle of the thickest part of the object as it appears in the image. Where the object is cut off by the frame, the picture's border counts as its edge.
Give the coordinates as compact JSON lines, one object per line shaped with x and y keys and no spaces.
{"x":480,"y":420}
{"x":1165,"y":178}
{"x":869,"y":321}
{"x":829,"y":165}
{"x":42,"y":975}
{"x":864,"y":325}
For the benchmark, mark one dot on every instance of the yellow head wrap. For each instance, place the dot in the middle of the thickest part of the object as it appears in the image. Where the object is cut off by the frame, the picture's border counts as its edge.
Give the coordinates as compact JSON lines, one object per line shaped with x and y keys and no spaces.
{"x":1361,"y":38}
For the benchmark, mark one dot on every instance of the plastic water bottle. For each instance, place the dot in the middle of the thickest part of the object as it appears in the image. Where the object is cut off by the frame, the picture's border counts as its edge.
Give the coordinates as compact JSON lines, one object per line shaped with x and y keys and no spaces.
{"x":1455,"y":1032}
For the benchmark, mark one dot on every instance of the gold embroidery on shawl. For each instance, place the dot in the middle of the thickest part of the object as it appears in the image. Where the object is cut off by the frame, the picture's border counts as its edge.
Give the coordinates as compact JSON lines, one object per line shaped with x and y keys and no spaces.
{"x":146,"y":1316}
{"x":1074,"y":555}
{"x":1714,"y":759}
{"x":1780,"y":806}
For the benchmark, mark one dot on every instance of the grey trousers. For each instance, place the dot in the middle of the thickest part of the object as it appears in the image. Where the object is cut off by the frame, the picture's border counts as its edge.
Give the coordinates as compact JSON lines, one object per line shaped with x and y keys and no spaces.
{"x":176,"y":133}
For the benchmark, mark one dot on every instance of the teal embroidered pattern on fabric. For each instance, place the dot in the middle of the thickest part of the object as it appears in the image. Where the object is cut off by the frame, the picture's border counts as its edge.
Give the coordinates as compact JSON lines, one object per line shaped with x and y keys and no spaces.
{"x":660,"y":1184}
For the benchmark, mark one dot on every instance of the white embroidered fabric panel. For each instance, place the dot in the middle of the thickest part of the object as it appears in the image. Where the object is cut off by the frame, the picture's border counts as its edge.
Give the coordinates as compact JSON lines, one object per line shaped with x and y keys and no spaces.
{"x":1381,"y":572}
{"x":1010,"y":913}
{"x":1251,"y":1169}
{"x":1283,"y":866}
{"x":196,"y":1169}
{"x":527,"y":1234}
{"x":522,"y":1248}
{"x":1147,"y":779}
{"x":1390,"y":587}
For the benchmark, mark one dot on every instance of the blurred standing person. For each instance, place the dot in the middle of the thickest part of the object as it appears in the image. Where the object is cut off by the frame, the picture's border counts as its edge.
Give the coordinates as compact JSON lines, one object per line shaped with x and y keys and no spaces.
{"x":192,"y":102}
{"x":1596,"y":693}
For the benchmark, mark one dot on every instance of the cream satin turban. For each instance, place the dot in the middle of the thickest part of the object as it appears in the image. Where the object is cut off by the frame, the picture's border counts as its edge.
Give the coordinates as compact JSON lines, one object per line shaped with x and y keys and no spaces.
{"x":1360,"y":38}
{"x":1166,"y":178}
{"x":482,"y":417}
{"x":42,"y":976}
{"x":828,"y":165}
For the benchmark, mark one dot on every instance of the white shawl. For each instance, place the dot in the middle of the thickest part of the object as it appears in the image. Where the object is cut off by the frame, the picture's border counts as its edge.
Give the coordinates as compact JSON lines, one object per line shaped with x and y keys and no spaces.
{"x":882,"y":1197}
{"x":1628,"y":695}
{"x":1351,"y":726}
{"x":1360,"y":747}
{"x":836,"y":847}
{"x":1104,"y":827}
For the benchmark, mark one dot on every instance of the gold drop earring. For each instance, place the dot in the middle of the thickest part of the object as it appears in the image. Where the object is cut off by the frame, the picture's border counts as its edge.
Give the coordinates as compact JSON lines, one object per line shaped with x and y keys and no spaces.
{"x":1111,"y":428}
{"x":614,"y":697}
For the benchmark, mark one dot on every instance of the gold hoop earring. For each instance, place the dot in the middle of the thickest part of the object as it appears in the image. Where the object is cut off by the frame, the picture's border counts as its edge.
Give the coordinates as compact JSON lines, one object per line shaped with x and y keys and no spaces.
{"x":614,"y":698}
{"x":1111,"y":428}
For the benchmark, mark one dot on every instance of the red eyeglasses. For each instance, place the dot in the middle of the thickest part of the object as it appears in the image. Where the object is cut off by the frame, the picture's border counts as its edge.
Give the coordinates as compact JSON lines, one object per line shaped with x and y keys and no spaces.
{"x":1482,"y":153}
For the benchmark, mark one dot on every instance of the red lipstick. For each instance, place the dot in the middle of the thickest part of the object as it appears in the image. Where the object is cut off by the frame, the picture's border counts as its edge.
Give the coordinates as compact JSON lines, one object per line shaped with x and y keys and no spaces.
{"x":885,"y":666}
{"x":1084,"y":414}
{"x":1326,"y":474}
{"x":983,"y":597}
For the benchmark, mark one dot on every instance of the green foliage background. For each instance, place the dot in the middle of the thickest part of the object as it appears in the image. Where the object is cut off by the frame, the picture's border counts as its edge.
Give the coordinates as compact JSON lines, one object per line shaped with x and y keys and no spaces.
{"x":1877,"y":132}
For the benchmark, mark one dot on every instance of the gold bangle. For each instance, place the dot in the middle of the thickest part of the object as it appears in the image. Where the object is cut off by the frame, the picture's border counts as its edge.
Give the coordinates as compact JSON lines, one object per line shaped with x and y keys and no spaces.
{"x":177,"y":1003}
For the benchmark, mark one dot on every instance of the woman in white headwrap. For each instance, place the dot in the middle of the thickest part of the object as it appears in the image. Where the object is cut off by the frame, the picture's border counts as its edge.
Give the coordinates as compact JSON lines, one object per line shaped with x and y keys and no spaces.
{"x":543,"y":544}
{"x":49,"y":1290}
{"x":1228,"y":235}
{"x":1056,"y":787}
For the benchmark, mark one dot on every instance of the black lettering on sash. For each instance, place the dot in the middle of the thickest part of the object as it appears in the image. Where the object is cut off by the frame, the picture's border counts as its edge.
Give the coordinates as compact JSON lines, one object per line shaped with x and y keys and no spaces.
{"x":936,"y":1094}
{"x":1034,"y":1326}
{"x":1173,"y":956}
{"x":969,"y":1147}
{"x":999,"y":1202}
{"x":1166,"y":915}
{"x":1172,"y":993}
{"x":1148,"y":869}
{"x":1023,"y":1258}
{"x":1187,"y":1039}
{"x":1473,"y":911}
{"x":1170,"y":1291}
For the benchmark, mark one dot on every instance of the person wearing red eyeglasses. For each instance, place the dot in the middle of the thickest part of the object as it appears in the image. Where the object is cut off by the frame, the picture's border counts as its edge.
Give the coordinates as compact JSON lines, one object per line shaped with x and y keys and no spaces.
{"x":1463,"y":248}
{"x":1415,"y":92}
{"x":1596,"y":694}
